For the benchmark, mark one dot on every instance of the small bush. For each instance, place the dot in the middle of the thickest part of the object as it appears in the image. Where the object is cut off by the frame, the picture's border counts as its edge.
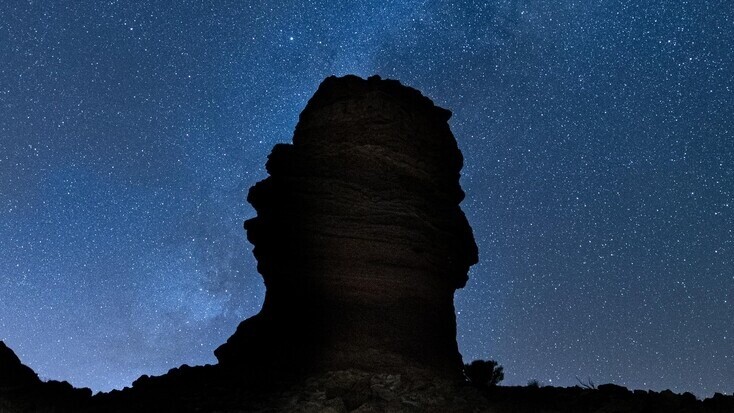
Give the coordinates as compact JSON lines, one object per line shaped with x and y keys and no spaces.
{"x":484,"y":373}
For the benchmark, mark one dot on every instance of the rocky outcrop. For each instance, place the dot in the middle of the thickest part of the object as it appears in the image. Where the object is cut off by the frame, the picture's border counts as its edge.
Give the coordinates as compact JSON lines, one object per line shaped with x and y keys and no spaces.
{"x":13,"y":373}
{"x":359,"y":238}
{"x":22,"y":391}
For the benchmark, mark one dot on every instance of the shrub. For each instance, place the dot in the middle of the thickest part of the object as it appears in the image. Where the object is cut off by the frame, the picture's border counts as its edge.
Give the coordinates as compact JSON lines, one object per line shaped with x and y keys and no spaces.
{"x":484,"y":373}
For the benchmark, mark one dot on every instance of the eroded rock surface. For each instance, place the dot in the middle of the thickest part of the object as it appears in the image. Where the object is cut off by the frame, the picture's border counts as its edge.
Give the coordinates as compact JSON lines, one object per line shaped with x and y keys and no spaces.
{"x":359,"y":238}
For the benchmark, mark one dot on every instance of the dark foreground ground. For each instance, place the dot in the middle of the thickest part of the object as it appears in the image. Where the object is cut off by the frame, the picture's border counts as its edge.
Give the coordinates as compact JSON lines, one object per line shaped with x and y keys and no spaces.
{"x":204,"y":389}
{"x":213,"y":389}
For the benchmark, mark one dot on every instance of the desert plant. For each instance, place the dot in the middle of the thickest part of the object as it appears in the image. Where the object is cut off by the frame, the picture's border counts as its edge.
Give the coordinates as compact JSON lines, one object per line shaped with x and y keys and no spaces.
{"x":484,"y":373}
{"x":588,"y":384}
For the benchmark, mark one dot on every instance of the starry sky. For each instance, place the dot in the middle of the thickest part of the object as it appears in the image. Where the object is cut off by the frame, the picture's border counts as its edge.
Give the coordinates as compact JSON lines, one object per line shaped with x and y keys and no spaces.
{"x":599,"y":168}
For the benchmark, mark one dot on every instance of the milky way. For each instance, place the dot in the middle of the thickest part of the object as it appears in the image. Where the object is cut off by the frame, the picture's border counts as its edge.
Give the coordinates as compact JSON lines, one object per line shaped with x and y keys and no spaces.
{"x":599,"y":169}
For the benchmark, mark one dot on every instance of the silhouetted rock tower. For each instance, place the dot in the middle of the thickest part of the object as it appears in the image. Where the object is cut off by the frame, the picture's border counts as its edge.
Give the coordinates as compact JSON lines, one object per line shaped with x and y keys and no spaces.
{"x":359,"y":237}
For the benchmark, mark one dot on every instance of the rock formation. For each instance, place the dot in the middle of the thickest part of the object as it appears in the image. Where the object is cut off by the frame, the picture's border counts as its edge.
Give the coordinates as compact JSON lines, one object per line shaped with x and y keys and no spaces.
{"x":21,"y":390}
{"x":359,"y":238}
{"x":13,"y":373}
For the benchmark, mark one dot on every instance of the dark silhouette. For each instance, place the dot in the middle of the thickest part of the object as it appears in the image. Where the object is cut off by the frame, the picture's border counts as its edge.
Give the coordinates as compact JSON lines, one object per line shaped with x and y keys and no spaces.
{"x":484,"y":373}
{"x":588,"y":384}
{"x":21,"y":390}
{"x":359,"y":238}
{"x":13,"y":372}
{"x":361,"y":244}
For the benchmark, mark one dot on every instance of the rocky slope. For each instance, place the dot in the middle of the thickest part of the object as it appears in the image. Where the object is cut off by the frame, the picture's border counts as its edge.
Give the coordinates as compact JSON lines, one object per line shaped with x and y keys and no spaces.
{"x":21,"y":390}
{"x":13,"y":372}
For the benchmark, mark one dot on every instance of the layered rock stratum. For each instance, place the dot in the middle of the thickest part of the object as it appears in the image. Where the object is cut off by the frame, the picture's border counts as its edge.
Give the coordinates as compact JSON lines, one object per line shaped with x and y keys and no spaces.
{"x":359,"y":238}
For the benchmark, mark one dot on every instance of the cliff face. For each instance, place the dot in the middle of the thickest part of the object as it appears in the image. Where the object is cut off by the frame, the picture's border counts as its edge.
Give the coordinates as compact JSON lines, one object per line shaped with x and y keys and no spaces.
{"x":359,"y":238}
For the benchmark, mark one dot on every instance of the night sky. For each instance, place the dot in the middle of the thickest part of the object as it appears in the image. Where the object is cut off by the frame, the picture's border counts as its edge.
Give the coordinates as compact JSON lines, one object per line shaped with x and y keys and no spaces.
{"x":598,"y":139}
